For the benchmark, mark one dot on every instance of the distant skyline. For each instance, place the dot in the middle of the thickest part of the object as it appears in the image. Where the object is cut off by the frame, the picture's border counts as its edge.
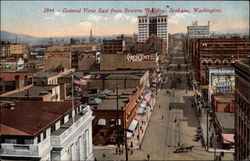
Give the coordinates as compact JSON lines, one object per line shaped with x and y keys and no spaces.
{"x":27,"y":17}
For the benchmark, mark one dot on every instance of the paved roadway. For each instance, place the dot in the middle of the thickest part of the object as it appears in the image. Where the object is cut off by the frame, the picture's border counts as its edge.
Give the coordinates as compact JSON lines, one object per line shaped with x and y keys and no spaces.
{"x":164,"y":133}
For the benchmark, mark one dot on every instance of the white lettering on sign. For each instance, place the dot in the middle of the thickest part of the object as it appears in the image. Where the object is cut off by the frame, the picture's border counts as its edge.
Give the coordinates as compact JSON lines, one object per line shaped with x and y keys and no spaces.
{"x":141,"y":57}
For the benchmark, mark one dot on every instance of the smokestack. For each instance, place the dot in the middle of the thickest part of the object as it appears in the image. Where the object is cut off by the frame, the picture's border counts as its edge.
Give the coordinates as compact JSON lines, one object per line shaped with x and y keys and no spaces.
{"x":90,"y":38}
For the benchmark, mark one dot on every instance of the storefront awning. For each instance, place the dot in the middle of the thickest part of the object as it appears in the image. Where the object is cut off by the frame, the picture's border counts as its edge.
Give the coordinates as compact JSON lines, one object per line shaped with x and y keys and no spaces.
{"x":106,"y":92}
{"x":129,"y":135}
{"x":133,"y":125}
{"x":228,"y":138}
{"x":143,"y":104}
{"x":147,"y":97}
{"x":95,"y":101}
{"x":102,"y":122}
{"x":140,"y":111}
{"x":137,"y":117}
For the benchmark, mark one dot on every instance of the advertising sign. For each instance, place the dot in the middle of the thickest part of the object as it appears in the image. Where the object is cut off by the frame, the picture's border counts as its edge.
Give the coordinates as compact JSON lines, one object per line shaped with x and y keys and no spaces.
{"x":140,"y":57}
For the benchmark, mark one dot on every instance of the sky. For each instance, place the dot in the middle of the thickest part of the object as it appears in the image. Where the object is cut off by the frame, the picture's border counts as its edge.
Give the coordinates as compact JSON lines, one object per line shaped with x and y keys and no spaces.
{"x":52,"y":18}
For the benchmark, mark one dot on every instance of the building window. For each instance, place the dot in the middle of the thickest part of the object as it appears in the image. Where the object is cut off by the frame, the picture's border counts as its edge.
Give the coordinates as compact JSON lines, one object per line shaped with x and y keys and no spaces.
{"x":53,"y":128}
{"x":62,"y":121}
{"x":38,"y":138}
{"x":102,"y":134}
{"x":70,"y":115}
{"x":44,"y":134}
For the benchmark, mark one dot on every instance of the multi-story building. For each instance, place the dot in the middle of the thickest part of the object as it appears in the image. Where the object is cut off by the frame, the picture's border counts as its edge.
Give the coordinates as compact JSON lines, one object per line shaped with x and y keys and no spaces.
{"x":152,"y":24}
{"x":4,"y":49}
{"x":113,"y":46}
{"x":19,"y":50}
{"x":242,"y":110}
{"x":50,"y":77}
{"x":13,"y":80}
{"x":38,"y":93}
{"x":196,"y":31}
{"x":217,"y":52}
{"x":11,"y":63}
{"x":218,"y":80}
{"x":34,"y":130}
{"x":68,"y":55}
{"x":129,"y":61}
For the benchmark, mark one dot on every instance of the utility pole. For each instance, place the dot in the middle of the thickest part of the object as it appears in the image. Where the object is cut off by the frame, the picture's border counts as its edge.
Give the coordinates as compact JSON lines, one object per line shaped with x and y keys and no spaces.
{"x":207,"y":128}
{"x":117,"y":117}
{"x":125,"y":141}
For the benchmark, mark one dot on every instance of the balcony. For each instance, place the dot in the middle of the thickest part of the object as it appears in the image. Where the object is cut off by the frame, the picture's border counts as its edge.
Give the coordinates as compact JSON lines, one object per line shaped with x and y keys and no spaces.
{"x":26,"y":150}
{"x":69,"y":130}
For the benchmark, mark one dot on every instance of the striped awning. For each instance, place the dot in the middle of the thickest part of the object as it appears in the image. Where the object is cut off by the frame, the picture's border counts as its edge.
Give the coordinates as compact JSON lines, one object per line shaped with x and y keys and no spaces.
{"x":137,"y":117}
{"x":147,"y":97}
{"x":143,"y":104}
{"x":140,"y":110}
{"x":133,"y":125}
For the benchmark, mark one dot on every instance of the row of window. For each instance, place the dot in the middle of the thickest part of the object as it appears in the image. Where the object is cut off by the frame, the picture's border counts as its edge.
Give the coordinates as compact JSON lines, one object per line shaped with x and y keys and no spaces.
{"x":152,"y":20}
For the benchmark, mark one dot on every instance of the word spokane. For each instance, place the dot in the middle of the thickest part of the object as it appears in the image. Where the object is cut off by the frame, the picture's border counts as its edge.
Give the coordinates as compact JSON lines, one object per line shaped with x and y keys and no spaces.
{"x":141,"y":57}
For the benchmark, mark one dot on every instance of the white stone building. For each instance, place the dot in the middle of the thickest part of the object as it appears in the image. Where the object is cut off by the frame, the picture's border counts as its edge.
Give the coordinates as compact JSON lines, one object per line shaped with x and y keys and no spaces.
{"x":196,"y":31}
{"x":37,"y":130}
{"x":152,"y":23}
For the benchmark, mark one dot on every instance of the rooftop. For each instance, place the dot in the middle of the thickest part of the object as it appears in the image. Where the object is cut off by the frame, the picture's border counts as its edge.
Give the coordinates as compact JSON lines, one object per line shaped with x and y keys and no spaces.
{"x":46,"y":74}
{"x":32,"y":117}
{"x":226,"y":121}
{"x":110,"y":102}
{"x":111,"y":74}
{"x":34,"y":91}
{"x":225,"y":97}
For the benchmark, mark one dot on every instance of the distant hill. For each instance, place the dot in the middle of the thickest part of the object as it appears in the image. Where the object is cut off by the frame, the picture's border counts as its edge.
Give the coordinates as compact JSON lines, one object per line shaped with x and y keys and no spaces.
{"x":31,"y":40}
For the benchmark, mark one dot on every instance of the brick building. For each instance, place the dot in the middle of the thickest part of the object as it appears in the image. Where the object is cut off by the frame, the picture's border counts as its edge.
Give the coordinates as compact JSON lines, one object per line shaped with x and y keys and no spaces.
{"x":129,"y":61}
{"x":19,"y":50}
{"x":4,"y":49}
{"x":223,"y":102}
{"x":106,"y":114}
{"x":113,"y":46}
{"x":101,"y":80}
{"x":242,"y":110}
{"x":14,"y":80}
{"x":216,"y":52}
{"x":38,"y":93}
{"x":72,"y":56}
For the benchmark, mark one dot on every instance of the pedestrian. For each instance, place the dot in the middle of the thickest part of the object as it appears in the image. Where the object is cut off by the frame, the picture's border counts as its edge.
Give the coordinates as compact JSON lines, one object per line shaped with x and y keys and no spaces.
{"x":148,"y":156}
{"x":116,"y":151}
{"x":131,"y":152}
{"x":159,"y":106}
{"x":162,"y":117}
{"x":122,"y":151}
{"x":175,"y":120}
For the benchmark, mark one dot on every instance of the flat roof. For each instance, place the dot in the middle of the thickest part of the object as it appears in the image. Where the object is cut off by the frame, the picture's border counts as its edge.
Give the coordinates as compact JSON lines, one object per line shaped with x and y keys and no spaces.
{"x":32,"y":117}
{"x":110,"y":73}
{"x":226,"y":121}
{"x":46,"y":74}
{"x":110,"y":102}
{"x":34,"y":91}
{"x":225,"y":97}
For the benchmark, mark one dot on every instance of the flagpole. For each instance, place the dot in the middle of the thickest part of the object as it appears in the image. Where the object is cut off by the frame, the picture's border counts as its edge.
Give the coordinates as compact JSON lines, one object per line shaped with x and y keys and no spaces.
{"x":72,"y":92}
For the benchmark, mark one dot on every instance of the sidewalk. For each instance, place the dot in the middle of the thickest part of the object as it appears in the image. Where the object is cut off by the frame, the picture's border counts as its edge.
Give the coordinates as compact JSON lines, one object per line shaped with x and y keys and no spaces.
{"x":212,"y":136}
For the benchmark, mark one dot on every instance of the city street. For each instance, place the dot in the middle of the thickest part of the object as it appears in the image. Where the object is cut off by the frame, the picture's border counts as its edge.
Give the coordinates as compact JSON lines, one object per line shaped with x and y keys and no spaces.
{"x":173,"y":122}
